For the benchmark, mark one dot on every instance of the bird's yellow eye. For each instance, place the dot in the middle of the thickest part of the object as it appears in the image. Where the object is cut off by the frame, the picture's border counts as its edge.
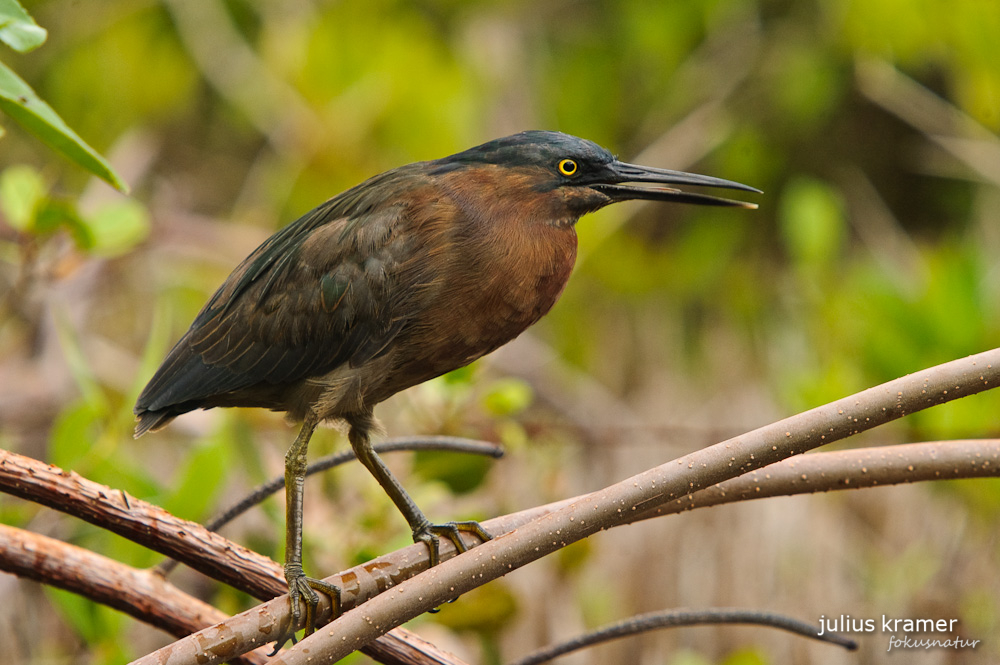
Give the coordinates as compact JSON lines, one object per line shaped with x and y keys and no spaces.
{"x":567,"y":167}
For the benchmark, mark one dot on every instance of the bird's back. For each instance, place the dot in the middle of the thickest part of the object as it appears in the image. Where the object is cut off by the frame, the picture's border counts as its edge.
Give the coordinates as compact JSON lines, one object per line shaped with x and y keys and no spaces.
{"x":318,"y":294}
{"x":411,"y":274}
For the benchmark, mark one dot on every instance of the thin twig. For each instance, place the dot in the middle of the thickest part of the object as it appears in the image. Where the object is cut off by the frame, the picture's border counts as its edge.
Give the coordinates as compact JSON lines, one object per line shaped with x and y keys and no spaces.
{"x":455,"y":444}
{"x":264,"y":490}
{"x":644,"y":623}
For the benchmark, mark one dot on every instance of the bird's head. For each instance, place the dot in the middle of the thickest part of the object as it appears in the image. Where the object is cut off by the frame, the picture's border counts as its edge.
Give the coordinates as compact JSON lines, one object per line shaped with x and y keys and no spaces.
{"x":576,"y":174}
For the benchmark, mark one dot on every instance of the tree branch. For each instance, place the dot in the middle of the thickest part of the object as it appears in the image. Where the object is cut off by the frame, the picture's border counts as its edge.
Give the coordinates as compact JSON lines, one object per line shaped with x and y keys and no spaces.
{"x":617,"y":504}
{"x":649,"y":494}
{"x":191,"y":543}
{"x":644,"y":623}
{"x":141,"y":522}
{"x":408,"y":443}
{"x":138,"y":593}
{"x":69,"y":567}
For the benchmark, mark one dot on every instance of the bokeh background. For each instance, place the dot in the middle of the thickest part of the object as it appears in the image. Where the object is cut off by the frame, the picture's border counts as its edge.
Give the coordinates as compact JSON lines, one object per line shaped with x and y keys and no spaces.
{"x":872,"y":127}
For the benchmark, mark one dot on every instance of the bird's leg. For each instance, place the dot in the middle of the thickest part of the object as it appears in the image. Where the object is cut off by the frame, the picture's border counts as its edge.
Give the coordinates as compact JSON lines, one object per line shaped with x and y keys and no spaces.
{"x":300,"y":587}
{"x":423,"y":530}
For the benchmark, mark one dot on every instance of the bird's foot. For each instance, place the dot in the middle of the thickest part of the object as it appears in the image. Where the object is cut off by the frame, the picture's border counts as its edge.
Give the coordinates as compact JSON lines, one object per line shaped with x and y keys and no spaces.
{"x":431,"y":535}
{"x":304,"y":588}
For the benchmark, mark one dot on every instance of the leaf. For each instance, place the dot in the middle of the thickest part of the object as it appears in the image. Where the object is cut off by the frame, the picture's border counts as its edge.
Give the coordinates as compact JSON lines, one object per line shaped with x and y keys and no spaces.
{"x":73,"y":434}
{"x":17,"y":29}
{"x":508,"y":397}
{"x":118,"y":227}
{"x":20,"y":102}
{"x":461,"y":473}
{"x":22,"y":192}
{"x":199,"y":481}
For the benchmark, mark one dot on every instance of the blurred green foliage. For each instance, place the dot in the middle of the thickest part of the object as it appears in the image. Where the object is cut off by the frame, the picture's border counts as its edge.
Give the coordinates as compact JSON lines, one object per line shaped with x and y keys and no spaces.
{"x":871,"y":127}
{"x":18,"y":100}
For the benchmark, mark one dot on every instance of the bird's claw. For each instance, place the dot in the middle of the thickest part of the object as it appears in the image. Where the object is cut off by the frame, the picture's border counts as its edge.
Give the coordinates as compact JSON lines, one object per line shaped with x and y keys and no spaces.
{"x":301,"y":587}
{"x":431,"y":534}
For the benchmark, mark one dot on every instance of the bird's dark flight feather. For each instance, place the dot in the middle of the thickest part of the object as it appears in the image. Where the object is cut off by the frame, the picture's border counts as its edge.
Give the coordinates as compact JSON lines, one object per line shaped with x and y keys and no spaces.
{"x":282,"y":316}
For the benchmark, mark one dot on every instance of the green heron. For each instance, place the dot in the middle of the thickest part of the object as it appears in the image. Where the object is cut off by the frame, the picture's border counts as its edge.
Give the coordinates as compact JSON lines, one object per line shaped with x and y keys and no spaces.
{"x":409,"y":275}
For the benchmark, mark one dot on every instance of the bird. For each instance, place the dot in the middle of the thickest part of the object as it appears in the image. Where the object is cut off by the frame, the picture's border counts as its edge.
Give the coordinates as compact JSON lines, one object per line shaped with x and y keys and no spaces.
{"x":409,"y":275}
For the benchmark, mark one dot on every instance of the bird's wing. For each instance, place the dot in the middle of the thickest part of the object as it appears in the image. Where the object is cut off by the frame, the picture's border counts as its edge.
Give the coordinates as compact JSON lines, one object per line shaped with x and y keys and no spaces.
{"x":319,"y":293}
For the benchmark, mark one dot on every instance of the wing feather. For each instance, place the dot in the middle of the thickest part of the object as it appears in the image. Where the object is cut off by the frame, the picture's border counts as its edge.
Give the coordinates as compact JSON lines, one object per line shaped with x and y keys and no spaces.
{"x":320,"y":293}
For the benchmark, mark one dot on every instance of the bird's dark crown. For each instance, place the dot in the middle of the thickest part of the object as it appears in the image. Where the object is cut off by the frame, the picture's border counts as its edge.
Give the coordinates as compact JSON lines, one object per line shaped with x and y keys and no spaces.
{"x":531,"y":148}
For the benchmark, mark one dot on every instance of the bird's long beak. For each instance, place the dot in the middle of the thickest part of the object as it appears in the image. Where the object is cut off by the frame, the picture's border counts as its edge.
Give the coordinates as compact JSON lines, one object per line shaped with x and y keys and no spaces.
{"x":631,"y":173}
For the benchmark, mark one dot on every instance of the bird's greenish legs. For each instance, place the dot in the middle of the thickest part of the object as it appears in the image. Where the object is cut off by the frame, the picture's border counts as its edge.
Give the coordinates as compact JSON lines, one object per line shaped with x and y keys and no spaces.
{"x":300,"y":587}
{"x":424,"y":531}
{"x":303,"y":588}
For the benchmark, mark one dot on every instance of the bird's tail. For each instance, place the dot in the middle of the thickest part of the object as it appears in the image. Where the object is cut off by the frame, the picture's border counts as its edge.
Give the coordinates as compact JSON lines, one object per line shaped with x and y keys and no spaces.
{"x":151,"y":421}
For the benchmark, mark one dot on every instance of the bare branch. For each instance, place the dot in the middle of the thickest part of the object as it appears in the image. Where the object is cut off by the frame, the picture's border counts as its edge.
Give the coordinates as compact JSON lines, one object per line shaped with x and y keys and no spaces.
{"x":276,"y":484}
{"x":189,"y":542}
{"x":138,"y":593}
{"x":644,"y":623}
{"x":407,"y":443}
{"x":859,"y":468}
{"x":664,"y":489}
{"x":141,"y":522}
{"x":846,"y":469}
{"x":616,"y":504}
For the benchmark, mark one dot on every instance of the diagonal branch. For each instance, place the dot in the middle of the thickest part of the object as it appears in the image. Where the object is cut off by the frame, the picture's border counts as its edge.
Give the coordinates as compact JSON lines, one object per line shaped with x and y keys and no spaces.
{"x":185,"y":541}
{"x":141,"y":522}
{"x":71,"y":568}
{"x":617,"y":504}
{"x":824,"y":471}
{"x":138,"y":593}
{"x":857,"y":468}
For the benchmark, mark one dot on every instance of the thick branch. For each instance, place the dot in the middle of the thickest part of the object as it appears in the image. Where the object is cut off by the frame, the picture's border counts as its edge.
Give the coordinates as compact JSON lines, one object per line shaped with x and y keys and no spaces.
{"x":138,"y":593}
{"x":617,"y":504}
{"x":148,"y":597}
{"x":186,"y":541}
{"x":973,"y":459}
{"x":858,"y":468}
{"x":142,"y":522}
{"x":939,"y":460}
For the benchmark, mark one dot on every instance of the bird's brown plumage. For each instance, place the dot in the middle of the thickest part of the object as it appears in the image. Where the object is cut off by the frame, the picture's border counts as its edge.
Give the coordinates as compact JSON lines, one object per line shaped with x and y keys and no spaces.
{"x":356,"y":303}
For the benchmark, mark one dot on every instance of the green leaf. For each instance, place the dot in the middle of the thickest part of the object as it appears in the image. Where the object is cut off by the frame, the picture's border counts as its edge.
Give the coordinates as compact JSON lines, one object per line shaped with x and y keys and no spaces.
{"x":56,"y":214}
{"x":22,"y":191}
{"x":118,"y":227}
{"x":73,"y":433}
{"x":17,"y":29}
{"x":195,"y":488}
{"x":20,"y":102}
{"x":508,"y":397}
{"x":461,"y":473}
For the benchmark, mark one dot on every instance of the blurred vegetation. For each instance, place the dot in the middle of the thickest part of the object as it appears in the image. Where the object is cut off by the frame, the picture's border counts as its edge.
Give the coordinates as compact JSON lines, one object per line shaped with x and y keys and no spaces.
{"x":872,"y":128}
{"x":17,"y":99}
